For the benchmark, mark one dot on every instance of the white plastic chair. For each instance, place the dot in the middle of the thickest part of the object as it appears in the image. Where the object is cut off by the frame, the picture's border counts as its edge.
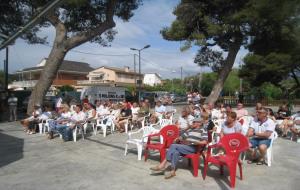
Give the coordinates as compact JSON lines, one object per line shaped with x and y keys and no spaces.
{"x":87,"y":124}
{"x":43,"y":125}
{"x":246,"y":124}
{"x":165,"y":122}
{"x":78,"y":130}
{"x":269,"y":155}
{"x":139,"y":142}
{"x":104,"y":126}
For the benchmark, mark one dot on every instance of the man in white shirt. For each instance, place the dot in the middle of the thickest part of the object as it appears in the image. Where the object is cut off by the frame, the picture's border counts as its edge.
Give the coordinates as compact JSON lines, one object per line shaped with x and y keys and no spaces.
{"x":185,"y":120}
{"x":260,"y":132}
{"x":12,"y":105}
{"x":159,"y":108}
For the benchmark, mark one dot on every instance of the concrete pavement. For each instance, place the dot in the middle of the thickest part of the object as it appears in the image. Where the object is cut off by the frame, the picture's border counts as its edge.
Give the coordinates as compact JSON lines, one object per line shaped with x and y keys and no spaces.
{"x":33,"y":162}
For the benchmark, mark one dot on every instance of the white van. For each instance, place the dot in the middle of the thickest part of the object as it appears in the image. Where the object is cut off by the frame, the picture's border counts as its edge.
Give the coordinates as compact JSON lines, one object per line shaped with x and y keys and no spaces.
{"x":114,"y":94}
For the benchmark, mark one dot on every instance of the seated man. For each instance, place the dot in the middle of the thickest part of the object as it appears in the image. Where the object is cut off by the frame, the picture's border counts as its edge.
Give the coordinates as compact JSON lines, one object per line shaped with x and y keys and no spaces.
{"x":187,"y":143}
{"x":185,"y":120}
{"x":260,"y":133}
{"x":159,"y":109}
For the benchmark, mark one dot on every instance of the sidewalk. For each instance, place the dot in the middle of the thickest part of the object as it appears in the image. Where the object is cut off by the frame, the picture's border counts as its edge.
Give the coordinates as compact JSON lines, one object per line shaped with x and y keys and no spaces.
{"x":30,"y":162}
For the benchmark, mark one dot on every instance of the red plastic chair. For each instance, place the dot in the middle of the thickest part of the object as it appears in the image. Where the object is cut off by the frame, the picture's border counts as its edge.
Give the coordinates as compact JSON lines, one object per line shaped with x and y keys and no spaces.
{"x":195,"y":157}
{"x":169,"y":134}
{"x":233,"y":144}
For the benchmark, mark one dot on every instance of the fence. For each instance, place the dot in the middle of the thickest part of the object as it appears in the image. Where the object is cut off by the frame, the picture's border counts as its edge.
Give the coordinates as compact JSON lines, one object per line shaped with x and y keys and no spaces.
{"x":248,"y":101}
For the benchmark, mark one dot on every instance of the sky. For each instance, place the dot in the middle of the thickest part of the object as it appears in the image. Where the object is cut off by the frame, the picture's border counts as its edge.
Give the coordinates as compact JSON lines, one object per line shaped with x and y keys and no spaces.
{"x":163,"y":57}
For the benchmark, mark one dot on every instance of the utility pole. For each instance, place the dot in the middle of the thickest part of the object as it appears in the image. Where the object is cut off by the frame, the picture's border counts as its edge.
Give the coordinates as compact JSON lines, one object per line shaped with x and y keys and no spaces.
{"x":181,"y":74}
{"x":134,"y":66}
{"x":6,"y":71}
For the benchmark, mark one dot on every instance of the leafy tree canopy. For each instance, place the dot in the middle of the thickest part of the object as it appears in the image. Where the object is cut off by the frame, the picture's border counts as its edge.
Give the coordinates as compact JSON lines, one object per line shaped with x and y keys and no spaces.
{"x":78,"y":16}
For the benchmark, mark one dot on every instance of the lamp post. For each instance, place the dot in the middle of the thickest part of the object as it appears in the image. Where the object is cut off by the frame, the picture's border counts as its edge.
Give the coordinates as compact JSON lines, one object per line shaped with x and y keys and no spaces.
{"x":5,"y":63}
{"x":173,"y":82}
{"x":140,"y":79}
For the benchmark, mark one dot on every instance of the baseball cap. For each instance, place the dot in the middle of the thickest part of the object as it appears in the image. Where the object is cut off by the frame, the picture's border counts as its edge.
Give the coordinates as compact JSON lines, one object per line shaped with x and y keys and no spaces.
{"x":197,"y":120}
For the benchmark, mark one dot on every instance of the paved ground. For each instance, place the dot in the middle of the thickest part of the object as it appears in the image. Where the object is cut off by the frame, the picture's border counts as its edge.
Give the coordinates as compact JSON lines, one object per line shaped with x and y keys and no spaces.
{"x":33,"y":162}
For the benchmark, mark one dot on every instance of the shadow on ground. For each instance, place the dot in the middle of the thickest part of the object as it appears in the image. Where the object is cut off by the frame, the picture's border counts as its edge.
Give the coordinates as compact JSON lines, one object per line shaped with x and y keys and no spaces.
{"x":11,"y":149}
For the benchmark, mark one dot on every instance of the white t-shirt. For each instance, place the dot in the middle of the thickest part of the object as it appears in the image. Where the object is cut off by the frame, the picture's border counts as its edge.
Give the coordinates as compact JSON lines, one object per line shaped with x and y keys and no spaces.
{"x":160,"y":109}
{"x":65,"y":115}
{"x":216,"y":114}
{"x":80,"y":116}
{"x":135,"y":110}
{"x":183,"y":123}
{"x":45,"y":115}
{"x":12,"y":101}
{"x":260,"y":127}
{"x":237,"y":128}
{"x":99,"y":108}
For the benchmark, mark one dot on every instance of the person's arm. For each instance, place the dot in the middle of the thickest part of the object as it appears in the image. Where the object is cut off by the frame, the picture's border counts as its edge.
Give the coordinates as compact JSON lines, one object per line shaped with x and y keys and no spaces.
{"x":263,"y":135}
{"x":222,"y":133}
{"x":250,"y":132}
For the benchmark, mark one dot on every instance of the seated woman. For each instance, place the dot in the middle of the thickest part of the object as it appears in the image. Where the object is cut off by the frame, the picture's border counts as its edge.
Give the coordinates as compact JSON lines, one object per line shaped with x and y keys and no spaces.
{"x":63,"y":119}
{"x":231,"y":125}
{"x":123,"y":119}
{"x":29,"y":121}
{"x":135,"y":111}
{"x":187,"y":143}
{"x":295,"y":129}
{"x":284,"y":114}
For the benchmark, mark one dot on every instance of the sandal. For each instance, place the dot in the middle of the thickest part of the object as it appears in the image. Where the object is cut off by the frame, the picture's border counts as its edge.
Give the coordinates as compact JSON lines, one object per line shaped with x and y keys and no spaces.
{"x":251,"y":161}
{"x":170,"y":175}
{"x":260,"y":162}
{"x":156,"y":168}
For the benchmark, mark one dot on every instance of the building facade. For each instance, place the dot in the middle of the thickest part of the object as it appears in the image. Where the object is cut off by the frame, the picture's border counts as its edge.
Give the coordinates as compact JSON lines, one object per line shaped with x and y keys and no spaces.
{"x":68,"y":74}
{"x":111,"y":75}
{"x":152,"y":79}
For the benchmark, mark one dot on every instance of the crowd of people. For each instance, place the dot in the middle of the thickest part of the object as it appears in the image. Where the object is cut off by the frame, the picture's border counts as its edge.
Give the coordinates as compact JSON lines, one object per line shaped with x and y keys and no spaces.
{"x":196,"y":123}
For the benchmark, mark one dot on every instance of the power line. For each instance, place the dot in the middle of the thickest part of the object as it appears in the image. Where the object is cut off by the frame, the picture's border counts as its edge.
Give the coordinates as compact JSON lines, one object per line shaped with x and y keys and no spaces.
{"x":89,"y":53}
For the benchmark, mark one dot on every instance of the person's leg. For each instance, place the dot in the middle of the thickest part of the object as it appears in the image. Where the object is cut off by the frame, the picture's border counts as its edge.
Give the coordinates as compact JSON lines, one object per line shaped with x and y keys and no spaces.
{"x":252,"y":151}
{"x":10,"y":110}
{"x":262,"y":148}
{"x":15,"y":113}
{"x":262,"y":151}
{"x":178,"y":150}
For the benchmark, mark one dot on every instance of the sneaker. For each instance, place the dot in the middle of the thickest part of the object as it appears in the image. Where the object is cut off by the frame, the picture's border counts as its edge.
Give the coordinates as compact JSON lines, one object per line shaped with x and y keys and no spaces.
{"x":180,"y":159}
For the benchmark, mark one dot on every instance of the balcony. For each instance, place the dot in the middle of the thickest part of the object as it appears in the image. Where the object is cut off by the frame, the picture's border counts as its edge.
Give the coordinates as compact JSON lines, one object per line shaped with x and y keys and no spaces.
{"x":93,"y":82}
{"x":23,"y":84}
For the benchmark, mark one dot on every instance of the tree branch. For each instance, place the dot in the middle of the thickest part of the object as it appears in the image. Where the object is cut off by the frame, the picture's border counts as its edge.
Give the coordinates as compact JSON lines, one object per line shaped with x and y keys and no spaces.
{"x":88,"y":35}
{"x":295,"y":78}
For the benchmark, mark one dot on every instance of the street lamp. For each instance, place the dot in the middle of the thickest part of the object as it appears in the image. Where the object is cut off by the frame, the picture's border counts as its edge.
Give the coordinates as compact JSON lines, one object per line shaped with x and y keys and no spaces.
{"x":5,"y":63}
{"x":173,"y":82}
{"x":140,"y":80}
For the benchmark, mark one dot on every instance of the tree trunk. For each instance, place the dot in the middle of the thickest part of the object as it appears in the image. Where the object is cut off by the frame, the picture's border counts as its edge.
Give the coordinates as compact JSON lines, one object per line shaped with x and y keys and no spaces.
{"x":219,"y":84}
{"x":49,"y":72}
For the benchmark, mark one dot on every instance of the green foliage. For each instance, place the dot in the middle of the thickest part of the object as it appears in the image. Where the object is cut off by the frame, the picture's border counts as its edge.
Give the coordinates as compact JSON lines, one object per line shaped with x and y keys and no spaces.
{"x":66,"y":88}
{"x":270,"y":91}
{"x":273,"y":68}
{"x":76,"y":15}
